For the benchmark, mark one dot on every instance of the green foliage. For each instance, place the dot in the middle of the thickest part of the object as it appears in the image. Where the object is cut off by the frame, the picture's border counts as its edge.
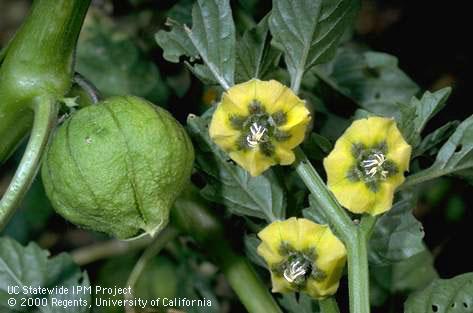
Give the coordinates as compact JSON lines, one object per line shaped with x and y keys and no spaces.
{"x":454,"y":157}
{"x":212,"y":39}
{"x":453,"y":295}
{"x":397,"y":235}
{"x":117,"y":66}
{"x":413,"y":273}
{"x":255,"y":57}
{"x":413,"y":117}
{"x":228,"y":184}
{"x":372,"y":79}
{"x":32,"y":266}
{"x":308,"y":31}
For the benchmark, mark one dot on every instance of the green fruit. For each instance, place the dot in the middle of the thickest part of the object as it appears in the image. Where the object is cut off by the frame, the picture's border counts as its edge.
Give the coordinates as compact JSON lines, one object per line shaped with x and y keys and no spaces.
{"x":118,"y":166}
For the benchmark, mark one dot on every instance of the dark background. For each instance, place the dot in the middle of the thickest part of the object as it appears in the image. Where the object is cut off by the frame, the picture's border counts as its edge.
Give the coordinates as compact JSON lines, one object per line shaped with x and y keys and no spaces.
{"x":432,"y":41}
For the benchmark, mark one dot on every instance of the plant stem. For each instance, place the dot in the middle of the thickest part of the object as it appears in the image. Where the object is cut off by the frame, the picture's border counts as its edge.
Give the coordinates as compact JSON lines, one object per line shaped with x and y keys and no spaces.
{"x":337,"y":216}
{"x":329,"y":305}
{"x":358,"y":275}
{"x":106,"y":249}
{"x":192,"y":216}
{"x":151,"y":251}
{"x":44,"y":121}
{"x":355,"y":238}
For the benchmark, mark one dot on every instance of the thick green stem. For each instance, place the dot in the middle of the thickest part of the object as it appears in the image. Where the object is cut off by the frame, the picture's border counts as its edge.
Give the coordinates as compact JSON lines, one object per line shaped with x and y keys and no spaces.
{"x":358,"y":275}
{"x":39,"y":61}
{"x":44,"y":122}
{"x":355,"y":238}
{"x":329,"y":305}
{"x":192,"y":216}
{"x":337,"y":216}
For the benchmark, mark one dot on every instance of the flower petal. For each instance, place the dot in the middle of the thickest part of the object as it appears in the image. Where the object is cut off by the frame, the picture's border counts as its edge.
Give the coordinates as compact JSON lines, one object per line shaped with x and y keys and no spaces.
{"x":355,"y":196}
{"x":339,"y":162}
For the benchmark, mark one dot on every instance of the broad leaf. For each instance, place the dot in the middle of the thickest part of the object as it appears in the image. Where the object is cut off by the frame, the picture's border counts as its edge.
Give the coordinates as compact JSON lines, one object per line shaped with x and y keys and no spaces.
{"x":117,"y":66}
{"x":453,"y":295}
{"x":212,"y":39}
{"x":308,"y":31}
{"x":411,"y":274}
{"x":397,"y":235}
{"x":372,"y":79}
{"x":255,"y":57}
{"x":454,"y":157}
{"x":31,"y":266}
{"x":231,"y":185}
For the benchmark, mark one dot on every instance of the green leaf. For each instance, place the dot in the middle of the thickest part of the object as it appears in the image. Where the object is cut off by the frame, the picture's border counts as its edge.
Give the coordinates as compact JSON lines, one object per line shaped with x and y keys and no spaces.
{"x":229,"y":184}
{"x":453,"y":295}
{"x":255,"y":57}
{"x":435,"y":138}
{"x":454,"y":157}
{"x":372,"y":79}
{"x":31,"y":266}
{"x":415,"y":115}
{"x":411,"y":274}
{"x":176,"y":42}
{"x":251,"y":244}
{"x":116,"y":66}
{"x":397,"y":235}
{"x":308,"y":31}
{"x":212,"y":39}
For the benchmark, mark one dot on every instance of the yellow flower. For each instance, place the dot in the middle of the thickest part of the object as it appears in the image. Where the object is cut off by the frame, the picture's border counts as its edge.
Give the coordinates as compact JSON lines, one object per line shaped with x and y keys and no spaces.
{"x":302,"y":256}
{"x":367,"y":165}
{"x":259,"y":123}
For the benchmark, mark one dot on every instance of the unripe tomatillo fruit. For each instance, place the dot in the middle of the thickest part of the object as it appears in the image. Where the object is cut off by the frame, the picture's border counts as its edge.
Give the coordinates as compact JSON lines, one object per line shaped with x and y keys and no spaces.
{"x":118,"y":166}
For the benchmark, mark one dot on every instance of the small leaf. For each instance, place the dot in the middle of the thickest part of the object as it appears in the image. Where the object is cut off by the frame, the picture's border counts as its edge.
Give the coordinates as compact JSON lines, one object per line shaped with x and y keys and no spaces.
{"x":31,"y":266}
{"x":436,"y":137}
{"x":176,"y":42}
{"x":229,"y":184}
{"x":372,"y":79}
{"x":255,"y":57}
{"x":308,"y":31}
{"x":415,"y":115}
{"x":397,"y":235}
{"x":454,"y":157}
{"x":454,"y":295}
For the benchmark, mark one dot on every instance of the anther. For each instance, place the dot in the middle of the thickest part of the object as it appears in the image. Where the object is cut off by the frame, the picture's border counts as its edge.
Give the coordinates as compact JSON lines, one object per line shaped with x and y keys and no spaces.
{"x":374,"y":164}
{"x":256,"y":136}
{"x":295,"y":270}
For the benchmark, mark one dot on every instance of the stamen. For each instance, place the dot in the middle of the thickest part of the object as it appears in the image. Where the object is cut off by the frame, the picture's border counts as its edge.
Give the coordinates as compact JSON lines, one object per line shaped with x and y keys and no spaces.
{"x":256,"y":136}
{"x":374,"y":165}
{"x":295,"y":270}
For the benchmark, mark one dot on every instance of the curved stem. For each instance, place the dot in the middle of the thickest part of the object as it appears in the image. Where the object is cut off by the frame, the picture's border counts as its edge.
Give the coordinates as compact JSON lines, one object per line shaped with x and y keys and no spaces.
{"x":329,"y":305}
{"x":151,"y":251}
{"x":44,"y":121}
{"x":88,"y":87}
